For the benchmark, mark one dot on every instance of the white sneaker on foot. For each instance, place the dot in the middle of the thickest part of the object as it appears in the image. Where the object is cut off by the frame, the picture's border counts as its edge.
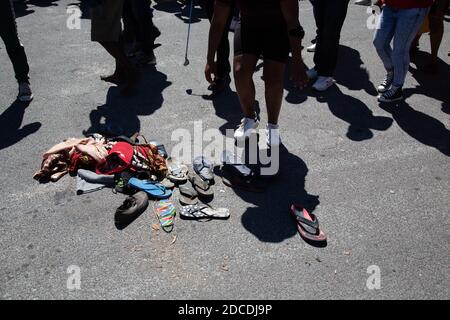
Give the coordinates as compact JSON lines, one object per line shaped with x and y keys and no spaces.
{"x":323,"y":83}
{"x":25,"y":93}
{"x":273,"y":138}
{"x":246,"y":128}
{"x":311,"y":48}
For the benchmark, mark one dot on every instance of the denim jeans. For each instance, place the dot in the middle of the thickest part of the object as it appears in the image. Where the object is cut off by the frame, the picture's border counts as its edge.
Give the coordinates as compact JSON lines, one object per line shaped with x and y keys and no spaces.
{"x":401,"y":26}
{"x":8,"y":32}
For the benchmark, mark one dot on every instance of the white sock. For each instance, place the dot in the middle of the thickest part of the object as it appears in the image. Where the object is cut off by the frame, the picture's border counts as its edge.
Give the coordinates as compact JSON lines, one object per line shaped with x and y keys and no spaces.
{"x":272,"y":126}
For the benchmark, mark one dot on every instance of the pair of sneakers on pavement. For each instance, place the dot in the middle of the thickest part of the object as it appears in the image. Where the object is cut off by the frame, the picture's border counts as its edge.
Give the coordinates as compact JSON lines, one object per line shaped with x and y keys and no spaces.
{"x":388,"y":92}
{"x":248,"y":127}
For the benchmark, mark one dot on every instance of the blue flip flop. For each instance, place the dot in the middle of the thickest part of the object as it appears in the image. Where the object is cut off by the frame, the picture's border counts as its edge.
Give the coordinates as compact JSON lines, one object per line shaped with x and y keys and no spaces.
{"x":153,"y":188}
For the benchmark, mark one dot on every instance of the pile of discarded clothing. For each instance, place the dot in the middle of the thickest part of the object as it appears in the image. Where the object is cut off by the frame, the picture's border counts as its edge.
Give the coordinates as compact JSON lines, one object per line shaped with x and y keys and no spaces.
{"x":139,"y":169}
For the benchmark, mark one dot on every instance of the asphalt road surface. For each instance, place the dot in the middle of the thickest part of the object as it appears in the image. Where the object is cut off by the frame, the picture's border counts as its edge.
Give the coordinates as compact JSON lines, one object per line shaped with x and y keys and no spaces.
{"x":378,"y":178}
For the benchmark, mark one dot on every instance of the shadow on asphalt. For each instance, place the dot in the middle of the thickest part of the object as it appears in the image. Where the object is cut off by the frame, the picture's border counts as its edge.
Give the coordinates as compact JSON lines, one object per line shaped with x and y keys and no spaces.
{"x":181,"y":11}
{"x":350,"y":72}
{"x":21,"y":7}
{"x":268,"y":217}
{"x":420,"y":126}
{"x":11,"y":128}
{"x":119,"y":114}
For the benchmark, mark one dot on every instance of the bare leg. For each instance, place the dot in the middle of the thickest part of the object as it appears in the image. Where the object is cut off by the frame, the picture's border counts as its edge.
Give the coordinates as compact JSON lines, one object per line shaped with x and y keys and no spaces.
{"x":244,"y":67}
{"x":273,"y":79}
{"x":130,"y":73}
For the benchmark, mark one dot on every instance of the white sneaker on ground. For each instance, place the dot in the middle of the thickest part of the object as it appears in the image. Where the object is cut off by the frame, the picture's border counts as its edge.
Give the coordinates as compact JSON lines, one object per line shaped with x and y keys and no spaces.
{"x":246,"y":128}
{"x":311,"y":48}
{"x":323,"y":83}
{"x":312,"y":74}
{"x":25,"y":93}
{"x":273,"y":138}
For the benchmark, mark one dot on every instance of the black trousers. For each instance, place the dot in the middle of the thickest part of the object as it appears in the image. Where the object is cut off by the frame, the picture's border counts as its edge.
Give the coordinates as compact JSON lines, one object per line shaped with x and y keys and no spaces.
{"x":138,"y":23}
{"x":223,"y":52}
{"x":8,"y":33}
{"x":330,"y":16}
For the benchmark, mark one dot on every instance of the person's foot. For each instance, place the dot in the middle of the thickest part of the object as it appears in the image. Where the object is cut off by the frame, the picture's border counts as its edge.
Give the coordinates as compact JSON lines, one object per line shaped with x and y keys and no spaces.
{"x":312,"y":74}
{"x":323,"y":83}
{"x":363,"y":2}
{"x":25,"y":93}
{"x":386,"y":83}
{"x":218,"y":85}
{"x":246,"y":128}
{"x":273,"y":135}
{"x":311,"y":48}
{"x":114,"y":78}
{"x":393,"y":94}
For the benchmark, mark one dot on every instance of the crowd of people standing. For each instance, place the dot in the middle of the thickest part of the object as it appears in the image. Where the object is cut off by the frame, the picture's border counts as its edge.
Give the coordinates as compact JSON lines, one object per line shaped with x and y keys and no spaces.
{"x":266,"y":29}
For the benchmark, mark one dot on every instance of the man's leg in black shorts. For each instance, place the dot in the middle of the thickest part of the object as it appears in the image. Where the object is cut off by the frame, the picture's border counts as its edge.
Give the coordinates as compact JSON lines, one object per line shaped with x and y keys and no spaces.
{"x":8,"y":33}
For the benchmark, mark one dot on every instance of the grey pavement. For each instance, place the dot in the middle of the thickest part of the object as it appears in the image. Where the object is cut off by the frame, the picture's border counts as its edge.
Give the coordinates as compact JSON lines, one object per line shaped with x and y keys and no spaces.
{"x":379,"y":178}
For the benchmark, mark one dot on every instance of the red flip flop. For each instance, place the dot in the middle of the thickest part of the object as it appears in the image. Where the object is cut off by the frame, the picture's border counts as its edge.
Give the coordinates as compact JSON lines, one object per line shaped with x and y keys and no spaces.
{"x":307,"y":224}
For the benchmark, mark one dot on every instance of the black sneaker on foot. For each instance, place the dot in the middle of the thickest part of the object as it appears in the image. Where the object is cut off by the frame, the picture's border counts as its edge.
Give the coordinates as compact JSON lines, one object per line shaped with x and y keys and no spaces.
{"x":393,"y":94}
{"x":386,"y":83}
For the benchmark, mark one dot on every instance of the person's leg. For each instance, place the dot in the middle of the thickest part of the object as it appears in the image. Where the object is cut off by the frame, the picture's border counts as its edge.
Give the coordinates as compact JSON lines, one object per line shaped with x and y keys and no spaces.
{"x":223,"y":52}
{"x":407,"y":26}
{"x":319,"y":16}
{"x":274,"y":88}
{"x":15,"y":50}
{"x":383,"y":37}
{"x":334,"y":14}
{"x":244,"y":68}
{"x":143,"y":16}
{"x":437,"y":28}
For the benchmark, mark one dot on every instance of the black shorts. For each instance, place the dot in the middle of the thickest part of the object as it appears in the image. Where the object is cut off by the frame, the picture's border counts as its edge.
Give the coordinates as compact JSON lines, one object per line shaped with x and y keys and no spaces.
{"x":272,"y":43}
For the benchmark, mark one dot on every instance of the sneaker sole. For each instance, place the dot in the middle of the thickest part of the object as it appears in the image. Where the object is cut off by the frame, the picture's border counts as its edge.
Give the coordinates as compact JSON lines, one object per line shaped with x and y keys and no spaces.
{"x":25,"y":99}
{"x":380,"y":99}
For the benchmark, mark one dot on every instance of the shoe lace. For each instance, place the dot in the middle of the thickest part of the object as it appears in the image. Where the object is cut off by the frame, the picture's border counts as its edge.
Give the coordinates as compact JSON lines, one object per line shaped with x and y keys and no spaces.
{"x":388,"y":79}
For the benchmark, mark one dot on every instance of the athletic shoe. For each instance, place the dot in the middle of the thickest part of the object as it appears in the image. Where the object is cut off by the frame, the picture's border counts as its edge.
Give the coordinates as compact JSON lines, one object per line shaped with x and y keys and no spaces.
{"x":386,"y":83}
{"x":312,"y":74}
{"x":393,"y":94}
{"x":25,"y":93}
{"x":246,"y":128}
{"x":323,"y":83}
{"x":363,"y":2}
{"x":311,"y":48}
{"x":273,"y":136}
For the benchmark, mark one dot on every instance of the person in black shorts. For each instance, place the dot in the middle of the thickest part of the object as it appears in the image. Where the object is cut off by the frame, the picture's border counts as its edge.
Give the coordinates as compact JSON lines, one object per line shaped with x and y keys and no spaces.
{"x":269,"y":28}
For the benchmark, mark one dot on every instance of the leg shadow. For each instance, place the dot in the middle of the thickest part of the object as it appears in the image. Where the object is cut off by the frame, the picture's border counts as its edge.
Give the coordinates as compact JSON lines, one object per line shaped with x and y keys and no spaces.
{"x":11,"y":125}
{"x":422,"y":127}
{"x":353,"y":111}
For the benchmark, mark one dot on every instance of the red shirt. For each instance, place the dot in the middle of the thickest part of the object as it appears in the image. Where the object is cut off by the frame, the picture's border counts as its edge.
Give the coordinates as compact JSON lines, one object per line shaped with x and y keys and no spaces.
{"x":409,"y":4}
